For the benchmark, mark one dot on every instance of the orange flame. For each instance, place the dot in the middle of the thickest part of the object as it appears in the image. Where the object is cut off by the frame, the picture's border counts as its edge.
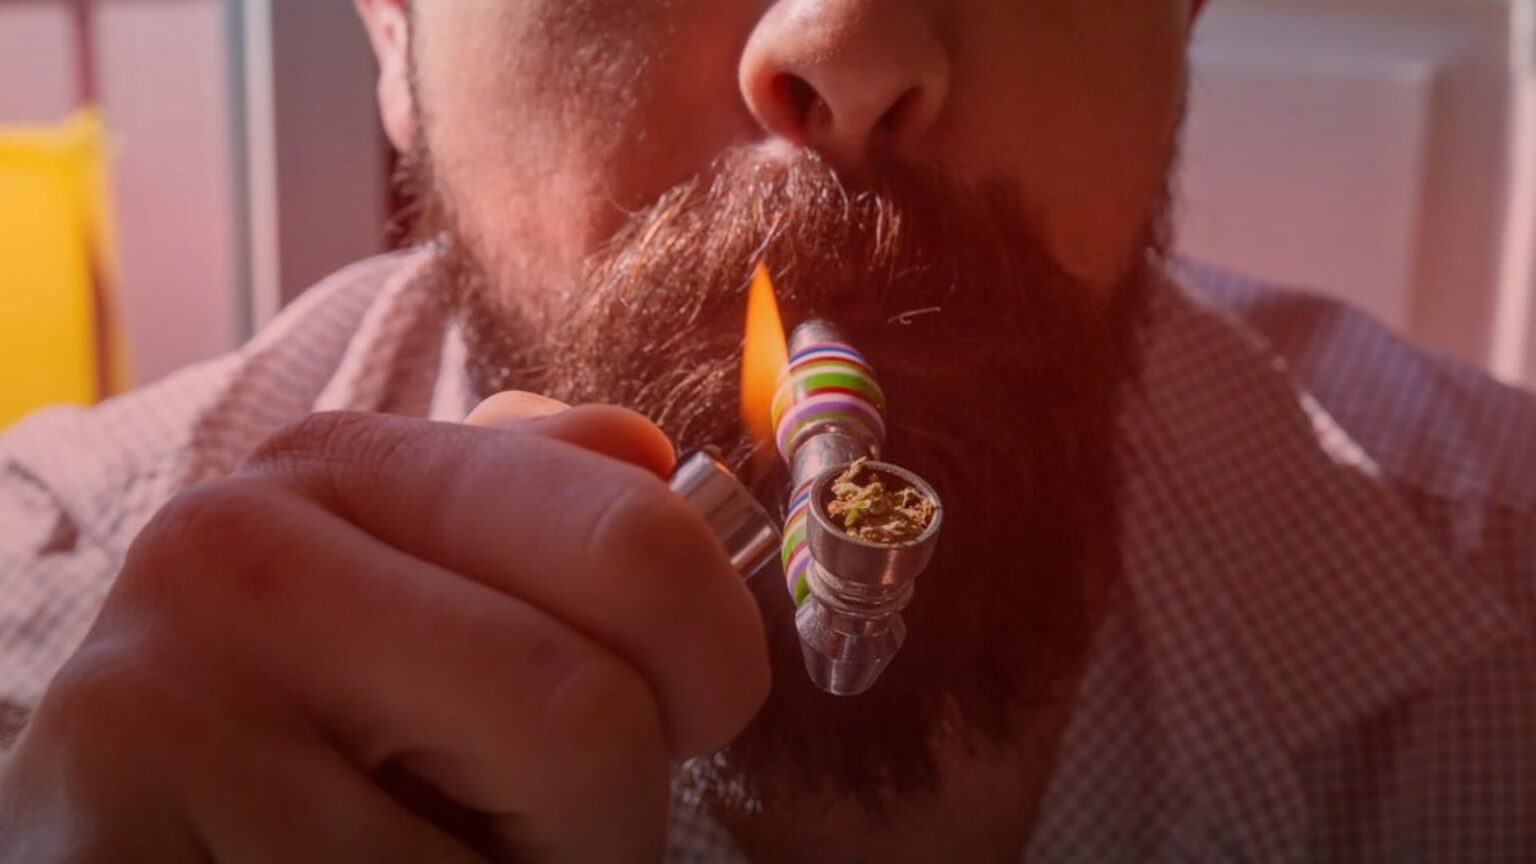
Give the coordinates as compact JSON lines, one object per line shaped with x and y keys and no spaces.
{"x":764,"y":356}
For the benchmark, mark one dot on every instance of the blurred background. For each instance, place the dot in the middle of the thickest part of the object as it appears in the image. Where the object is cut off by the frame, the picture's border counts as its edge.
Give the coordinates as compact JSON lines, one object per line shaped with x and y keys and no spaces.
{"x":172,"y":172}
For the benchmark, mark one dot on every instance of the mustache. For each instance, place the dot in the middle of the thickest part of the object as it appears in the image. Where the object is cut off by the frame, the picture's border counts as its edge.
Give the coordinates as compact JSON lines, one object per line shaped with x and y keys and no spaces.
{"x":902,"y":257}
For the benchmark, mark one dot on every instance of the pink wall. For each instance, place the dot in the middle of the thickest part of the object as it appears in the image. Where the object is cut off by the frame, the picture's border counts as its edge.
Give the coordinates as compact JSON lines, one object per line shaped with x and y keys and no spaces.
{"x":164,"y":85}
{"x":37,"y":81}
{"x":332,"y":165}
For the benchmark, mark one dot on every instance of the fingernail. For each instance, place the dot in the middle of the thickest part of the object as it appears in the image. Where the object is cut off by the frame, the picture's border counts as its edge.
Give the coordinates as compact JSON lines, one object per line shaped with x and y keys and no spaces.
{"x":513,"y":406}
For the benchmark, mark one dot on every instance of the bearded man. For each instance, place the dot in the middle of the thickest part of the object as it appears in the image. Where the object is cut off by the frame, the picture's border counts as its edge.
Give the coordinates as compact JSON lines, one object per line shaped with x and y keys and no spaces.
{"x":1228,"y":573}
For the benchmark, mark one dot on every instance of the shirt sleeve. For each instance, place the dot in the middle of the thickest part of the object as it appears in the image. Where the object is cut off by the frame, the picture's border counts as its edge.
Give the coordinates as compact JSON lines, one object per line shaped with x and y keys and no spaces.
{"x":50,"y":588}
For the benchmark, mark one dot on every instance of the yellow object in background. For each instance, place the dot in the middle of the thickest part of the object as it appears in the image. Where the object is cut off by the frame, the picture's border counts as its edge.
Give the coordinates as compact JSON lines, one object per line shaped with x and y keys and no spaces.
{"x":57,"y":337}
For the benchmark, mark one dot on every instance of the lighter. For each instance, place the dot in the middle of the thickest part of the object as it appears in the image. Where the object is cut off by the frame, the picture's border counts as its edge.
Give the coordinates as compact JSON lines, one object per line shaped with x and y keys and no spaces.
{"x":732,"y":513}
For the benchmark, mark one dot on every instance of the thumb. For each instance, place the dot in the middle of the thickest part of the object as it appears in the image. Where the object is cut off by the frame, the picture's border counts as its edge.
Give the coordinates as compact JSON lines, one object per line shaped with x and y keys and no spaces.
{"x":511,"y":407}
{"x":615,"y":432}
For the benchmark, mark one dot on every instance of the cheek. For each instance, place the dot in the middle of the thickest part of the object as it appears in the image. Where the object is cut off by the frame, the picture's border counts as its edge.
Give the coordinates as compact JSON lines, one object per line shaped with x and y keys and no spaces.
{"x":505,"y":106}
{"x":1083,"y":117}
{"x":549,"y":120}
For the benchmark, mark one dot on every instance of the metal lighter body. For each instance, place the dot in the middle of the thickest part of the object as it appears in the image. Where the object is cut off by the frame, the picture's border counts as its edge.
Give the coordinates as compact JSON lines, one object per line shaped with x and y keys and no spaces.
{"x":829,"y":412}
{"x":734,"y":515}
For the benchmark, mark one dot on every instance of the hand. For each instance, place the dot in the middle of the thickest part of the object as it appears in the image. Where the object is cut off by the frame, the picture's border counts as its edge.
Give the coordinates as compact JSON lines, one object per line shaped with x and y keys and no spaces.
{"x":391,"y":640}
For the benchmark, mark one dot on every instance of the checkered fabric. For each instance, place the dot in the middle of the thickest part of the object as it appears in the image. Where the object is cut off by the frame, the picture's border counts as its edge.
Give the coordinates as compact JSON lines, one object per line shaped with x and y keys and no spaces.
{"x":1322,"y":650}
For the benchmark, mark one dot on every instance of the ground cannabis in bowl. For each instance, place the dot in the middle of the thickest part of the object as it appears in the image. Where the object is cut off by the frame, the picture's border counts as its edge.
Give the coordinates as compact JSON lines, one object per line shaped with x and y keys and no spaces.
{"x":876,"y":507}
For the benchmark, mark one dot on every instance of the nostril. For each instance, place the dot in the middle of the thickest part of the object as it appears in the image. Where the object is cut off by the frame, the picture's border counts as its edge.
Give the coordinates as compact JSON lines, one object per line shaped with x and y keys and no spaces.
{"x":842,"y":76}
{"x":798,"y":98}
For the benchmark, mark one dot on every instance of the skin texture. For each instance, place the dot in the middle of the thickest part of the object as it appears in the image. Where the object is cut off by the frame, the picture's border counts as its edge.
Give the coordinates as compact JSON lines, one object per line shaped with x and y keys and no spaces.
{"x":255,"y":687}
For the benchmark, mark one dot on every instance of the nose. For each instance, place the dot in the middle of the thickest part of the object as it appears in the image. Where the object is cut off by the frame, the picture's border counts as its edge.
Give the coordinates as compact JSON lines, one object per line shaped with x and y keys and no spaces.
{"x":846,"y":76}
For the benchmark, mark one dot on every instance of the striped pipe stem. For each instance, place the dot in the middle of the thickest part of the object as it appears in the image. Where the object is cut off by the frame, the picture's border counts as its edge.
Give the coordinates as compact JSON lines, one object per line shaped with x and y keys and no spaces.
{"x":827,"y":392}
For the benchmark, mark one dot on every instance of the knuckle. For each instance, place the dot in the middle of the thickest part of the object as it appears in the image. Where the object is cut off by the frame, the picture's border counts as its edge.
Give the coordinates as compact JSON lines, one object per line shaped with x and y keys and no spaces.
{"x":598,"y":706}
{"x":712,"y":669}
{"x":328,"y":441}
{"x":317,"y":433}
{"x":644,"y":526}
{"x":324,"y":454}
{"x":110,"y":749}
{"x":109,"y":703}
{"x":228,"y":526}
{"x":206,"y":516}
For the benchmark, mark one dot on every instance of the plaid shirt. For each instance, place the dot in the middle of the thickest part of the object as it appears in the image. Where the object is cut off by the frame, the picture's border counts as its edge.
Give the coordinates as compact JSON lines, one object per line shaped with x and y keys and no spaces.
{"x":1323,"y":648}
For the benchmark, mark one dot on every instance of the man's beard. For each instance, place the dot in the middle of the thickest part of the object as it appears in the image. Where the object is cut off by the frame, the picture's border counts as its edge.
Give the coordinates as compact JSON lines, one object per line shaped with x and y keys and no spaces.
{"x":1003,"y":376}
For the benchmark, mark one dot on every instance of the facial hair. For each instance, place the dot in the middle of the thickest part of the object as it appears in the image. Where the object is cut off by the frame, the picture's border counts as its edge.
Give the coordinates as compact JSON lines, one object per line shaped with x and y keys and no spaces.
{"x":1003,"y":375}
